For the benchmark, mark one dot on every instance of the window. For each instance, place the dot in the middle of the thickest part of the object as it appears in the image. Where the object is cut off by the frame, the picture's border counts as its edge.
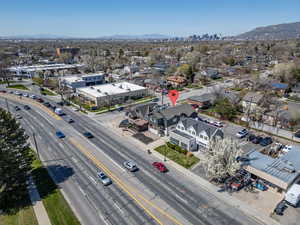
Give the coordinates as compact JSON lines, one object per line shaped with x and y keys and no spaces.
{"x":174,"y":141}
{"x":205,"y":138}
{"x":193,"y":133}
{"x":201,"y":136}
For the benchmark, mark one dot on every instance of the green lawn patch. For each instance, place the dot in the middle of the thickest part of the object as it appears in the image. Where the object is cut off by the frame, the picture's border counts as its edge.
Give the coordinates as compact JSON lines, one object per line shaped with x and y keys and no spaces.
{"x":24,"y":216}
{"x":47,"y":92}
{"x":4,"y":82}
{"x":179,"y":158}
{"x":18,"y":86}
{"x":57,"y":208}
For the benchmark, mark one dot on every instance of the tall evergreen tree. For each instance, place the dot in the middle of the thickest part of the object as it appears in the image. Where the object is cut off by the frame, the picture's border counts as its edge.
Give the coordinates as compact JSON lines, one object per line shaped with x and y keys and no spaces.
{"x":15,"y":162}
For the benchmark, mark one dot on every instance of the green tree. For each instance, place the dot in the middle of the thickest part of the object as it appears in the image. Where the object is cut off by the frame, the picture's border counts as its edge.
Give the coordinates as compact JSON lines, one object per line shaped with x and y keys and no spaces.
{"x":15,"y":162}
{"x":225,"y":108}
{"x":187,"y":71}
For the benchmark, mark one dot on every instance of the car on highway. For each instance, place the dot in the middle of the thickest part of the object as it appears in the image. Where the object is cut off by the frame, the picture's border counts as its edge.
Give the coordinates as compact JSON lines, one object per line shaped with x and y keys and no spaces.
{"x":242,"y":133}
{"x":266,"y":141}
{"x":47,"y":104}
{"x":88,"y":134}
{"x":27,"y":107}
{"x":18,"y":116}
{"x":131,"y":166}
{"x":2,"y":91}
{"x":40,"y":100}
{"x":104,"y":179}
{"x":60,"y":134}
{"x":70,"y":120}
{"x":160,"y":166}
{"x":32,"y":96}
{"x":18,"y":93}
{"x":17,"y":108}
{"x":25,"y":95}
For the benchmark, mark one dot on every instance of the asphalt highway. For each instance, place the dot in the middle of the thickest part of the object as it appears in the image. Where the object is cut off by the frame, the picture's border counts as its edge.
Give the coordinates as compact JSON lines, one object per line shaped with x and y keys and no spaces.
{"x":178,"y":194}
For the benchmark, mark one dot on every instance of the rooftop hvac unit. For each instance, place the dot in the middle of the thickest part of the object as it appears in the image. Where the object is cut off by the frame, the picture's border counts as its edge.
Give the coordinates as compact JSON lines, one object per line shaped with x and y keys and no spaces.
{"x":120,"y":86}
{"x":92,"y":87}
{"x":106,"y":93}
{"x":98,"y":90}
{"x":128,"y":89}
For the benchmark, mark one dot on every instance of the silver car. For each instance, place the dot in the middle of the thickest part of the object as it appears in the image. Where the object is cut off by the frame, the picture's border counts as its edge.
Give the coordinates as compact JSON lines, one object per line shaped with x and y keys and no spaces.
{"x":104,"y":179}
{"x":131,"y":166}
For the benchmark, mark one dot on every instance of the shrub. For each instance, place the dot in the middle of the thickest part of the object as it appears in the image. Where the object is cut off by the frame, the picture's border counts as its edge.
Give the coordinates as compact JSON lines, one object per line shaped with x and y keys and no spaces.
{"x":177,"y":149}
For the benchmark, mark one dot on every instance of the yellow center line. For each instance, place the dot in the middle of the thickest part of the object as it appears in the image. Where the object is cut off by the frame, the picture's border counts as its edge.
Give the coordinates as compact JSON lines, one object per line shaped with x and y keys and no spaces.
{"x":124,"y":186}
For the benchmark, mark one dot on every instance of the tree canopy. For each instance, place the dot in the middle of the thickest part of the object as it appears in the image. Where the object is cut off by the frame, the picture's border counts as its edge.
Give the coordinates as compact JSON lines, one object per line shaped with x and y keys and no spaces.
{"x":15,"y":161}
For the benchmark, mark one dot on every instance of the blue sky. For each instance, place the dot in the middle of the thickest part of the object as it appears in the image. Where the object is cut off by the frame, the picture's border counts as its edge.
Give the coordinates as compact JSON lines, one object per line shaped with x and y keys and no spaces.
{"x":94,"y":18}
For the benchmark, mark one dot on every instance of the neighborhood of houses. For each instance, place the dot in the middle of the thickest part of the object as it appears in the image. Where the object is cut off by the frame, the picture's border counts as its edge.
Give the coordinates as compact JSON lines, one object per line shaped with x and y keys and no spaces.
{"x":265,"y":109}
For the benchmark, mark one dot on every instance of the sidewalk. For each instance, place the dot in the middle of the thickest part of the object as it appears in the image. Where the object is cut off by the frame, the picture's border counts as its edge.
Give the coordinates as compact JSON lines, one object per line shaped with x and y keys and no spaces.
{"x":207,"y":186}
{"x":38,"y":206}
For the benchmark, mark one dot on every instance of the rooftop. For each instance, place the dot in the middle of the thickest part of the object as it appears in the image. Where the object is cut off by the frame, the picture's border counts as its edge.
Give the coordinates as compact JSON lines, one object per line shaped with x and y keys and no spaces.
{"x":44,"y":67}
{"x":110,"y":89}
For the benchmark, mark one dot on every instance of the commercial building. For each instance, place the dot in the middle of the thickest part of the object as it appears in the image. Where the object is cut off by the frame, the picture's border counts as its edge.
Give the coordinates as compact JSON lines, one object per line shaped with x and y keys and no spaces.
{"x":72,"y":51}
{"x":31,"y":71}
{"x":111,"y":94}
{"x":80,"y":81}
{"x":280,"y":173}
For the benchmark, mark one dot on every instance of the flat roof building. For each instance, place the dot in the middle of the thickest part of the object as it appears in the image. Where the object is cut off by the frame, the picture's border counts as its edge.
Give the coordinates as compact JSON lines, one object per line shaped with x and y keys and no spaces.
{"x":82,"y":80}
{"x":111,"y":94}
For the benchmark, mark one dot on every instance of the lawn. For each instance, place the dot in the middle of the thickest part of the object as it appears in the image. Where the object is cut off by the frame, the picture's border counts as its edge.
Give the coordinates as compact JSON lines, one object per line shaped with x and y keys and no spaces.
{"x":4,"y":82}
{"x":57,"y":208}
{"x":47,"y":92}
{"x":177,"y":157}
{"x":24,"y":216}
{"x":18,"y":86}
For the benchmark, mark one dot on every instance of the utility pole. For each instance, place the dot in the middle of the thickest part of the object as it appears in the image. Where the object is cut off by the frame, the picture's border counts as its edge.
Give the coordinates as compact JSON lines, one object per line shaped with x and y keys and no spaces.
{"x":7,"y":105}
{"x":36,"y":147}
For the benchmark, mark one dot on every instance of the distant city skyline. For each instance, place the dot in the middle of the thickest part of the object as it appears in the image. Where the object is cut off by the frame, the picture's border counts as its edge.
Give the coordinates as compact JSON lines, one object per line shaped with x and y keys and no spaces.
{"x":94,"y":18}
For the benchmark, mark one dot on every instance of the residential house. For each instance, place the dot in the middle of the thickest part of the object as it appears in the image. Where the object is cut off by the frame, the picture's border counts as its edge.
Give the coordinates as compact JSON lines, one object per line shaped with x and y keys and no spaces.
{"x":177,"y":81}
{"x":141,"y":111}
{"x":279,"y":88}
{"x":161,"y":121}
{"x":251,"y":101}
{"x":296,"y":90}
{"x":203,"y":101}
{"x":192,"y":134}
{"x":211,"y":73}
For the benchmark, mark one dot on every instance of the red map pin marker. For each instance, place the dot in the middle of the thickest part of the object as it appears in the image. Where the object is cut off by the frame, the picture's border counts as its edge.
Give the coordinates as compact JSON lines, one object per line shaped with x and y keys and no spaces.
{"x":173,"y":96}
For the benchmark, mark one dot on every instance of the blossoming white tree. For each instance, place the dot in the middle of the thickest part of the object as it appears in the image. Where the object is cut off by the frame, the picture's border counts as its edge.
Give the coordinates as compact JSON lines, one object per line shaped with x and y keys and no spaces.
{"x":219,"y":160}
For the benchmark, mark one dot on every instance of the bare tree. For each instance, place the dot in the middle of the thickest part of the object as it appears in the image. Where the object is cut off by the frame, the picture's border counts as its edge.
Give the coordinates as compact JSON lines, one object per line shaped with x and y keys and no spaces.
{"x":5,"y":75}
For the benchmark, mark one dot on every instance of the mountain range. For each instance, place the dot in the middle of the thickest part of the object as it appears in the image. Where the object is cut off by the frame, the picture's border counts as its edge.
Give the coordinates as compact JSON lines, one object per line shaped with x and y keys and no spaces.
{"x":272,"y":32}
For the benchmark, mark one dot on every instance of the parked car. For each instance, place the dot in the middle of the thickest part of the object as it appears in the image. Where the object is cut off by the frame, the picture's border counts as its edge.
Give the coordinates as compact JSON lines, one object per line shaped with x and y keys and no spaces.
{"x":242,"y":133}
{"x":257,"y":140}
{"x":251,"y":137}
{"x":266,"y":141}
{"x":160,"y":166}
{"x":17,"y":108}
{"x":18,"y":93}
{"x":131,"y":166}
{"x":18,"y":116}
{"x":297,"y":134}
{"x":59,"y":134}
{"x":287,"y":148}
{"x":2,"y":91}
{"x":104,"y":179}
{"x":281,"y":206}
{"x":88,"y":134}
{"x":27,"y":107}
{"x":217,"y":123}
{"x":60,"y":103}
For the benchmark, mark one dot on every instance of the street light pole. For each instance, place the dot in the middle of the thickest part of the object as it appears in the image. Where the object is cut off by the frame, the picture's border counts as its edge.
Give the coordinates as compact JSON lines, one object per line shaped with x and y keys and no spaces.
{"x":7,"y":105}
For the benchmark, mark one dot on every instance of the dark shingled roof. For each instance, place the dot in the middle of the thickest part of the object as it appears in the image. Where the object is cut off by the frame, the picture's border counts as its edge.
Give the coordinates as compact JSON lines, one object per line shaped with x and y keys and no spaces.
{"x":176,"y":110}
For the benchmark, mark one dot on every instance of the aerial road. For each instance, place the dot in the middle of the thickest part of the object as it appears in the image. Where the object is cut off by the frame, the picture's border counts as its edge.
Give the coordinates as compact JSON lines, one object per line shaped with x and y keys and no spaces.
{"x":143,"y":197}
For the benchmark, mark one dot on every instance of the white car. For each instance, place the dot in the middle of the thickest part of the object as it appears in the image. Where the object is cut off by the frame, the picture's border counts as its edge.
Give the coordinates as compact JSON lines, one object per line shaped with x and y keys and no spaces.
{"x":217,"y":124}
{"x":33,"y":96}
{"x":104,"y":179}
{"x":131,"y":166}
{"x":287,"y":148}
{"x":17,"y":93}
{"x":25,"y":95}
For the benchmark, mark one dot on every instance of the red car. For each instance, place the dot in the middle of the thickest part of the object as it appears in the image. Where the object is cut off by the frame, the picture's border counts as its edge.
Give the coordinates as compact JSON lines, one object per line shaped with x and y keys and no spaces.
{"x":160,"y":166}
{"x":40,"y":100}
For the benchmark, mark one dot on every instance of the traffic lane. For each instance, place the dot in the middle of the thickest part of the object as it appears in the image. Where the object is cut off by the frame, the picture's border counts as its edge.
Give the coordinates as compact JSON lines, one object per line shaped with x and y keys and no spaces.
{"x":69,"y":189}
{"x":141,"y":162}
{"x":126,"y":204}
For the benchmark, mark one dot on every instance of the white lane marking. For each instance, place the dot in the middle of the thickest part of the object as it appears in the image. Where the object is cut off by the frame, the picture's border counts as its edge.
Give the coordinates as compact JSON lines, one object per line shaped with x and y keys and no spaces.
{"x":119,"y":208}
{"x":102,"y":218}
{"x":93,"y":179}
{"x":82,"y":191}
